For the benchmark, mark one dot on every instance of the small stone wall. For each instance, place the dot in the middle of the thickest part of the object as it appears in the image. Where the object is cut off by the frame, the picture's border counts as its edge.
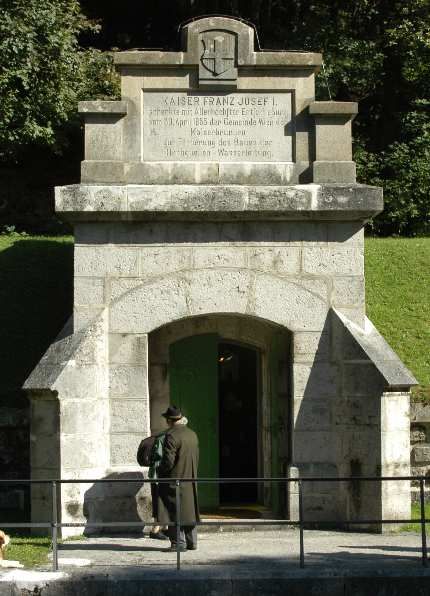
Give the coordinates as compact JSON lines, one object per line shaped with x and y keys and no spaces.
{"x":420,"y":443}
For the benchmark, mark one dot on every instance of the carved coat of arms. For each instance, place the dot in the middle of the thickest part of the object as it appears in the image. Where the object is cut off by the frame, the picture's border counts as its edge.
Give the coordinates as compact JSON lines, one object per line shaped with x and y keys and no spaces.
{"x":218,"y":56}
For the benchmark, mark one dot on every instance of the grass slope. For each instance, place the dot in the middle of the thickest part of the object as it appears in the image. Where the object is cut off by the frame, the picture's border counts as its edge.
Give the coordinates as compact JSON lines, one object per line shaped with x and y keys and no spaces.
{"x":398,"y":298}
{"x":36,"y":281}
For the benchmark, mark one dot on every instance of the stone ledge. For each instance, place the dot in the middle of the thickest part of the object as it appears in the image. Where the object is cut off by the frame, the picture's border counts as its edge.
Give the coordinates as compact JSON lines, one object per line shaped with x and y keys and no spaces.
{"x":155,"y":59}
{"x":334,"y":108}
{"x":137,"y":202}
{"x":199,"y":172}
{"x":102,"y":107}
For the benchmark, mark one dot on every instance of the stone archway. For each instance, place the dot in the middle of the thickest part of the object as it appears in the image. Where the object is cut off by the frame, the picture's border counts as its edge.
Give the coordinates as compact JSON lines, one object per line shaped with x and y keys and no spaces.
{"x":273,"y":415}
{"x":141,"y":307}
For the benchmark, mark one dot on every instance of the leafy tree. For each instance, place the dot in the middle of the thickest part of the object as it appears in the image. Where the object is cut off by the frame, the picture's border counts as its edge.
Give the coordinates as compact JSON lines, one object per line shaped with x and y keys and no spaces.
{"x":44,"y":73}
{"x":376,"y":52}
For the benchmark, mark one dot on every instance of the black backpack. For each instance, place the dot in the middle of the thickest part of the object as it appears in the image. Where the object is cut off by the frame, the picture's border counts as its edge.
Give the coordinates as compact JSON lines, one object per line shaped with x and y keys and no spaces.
{"x":144,"y":451}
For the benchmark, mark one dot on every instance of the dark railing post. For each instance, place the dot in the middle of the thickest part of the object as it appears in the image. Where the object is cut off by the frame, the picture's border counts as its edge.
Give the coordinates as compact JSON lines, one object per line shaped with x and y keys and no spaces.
{"x":178,"y":525}
{"x":423,"y":524}
{"x":54,"y":527}
{"x":302,"y":549}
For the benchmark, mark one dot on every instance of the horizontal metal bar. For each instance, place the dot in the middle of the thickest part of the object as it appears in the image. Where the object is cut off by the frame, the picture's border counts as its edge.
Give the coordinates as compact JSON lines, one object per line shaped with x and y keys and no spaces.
{"x":217,"y":480}
{"x":366,"y":521}
{"x":29,"y":525}
{"x":243,"y":522}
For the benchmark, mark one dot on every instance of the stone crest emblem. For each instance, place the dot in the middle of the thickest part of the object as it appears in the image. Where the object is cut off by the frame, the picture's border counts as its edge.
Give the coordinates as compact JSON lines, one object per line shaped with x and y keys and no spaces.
{"x":218,"y":57}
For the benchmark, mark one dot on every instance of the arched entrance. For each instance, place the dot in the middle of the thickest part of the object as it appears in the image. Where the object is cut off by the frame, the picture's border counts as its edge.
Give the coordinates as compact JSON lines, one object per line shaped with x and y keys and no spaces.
{"x":230,"y":376}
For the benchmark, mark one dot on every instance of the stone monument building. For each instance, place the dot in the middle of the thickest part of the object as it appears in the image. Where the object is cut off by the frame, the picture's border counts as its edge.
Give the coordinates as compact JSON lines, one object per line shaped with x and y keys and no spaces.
{"x":219,"y":266}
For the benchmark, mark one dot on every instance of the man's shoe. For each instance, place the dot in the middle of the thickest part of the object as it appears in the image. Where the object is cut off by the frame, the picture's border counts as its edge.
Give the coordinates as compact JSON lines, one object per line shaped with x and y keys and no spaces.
{"x":158,"y":536}
{"x":192,"y":547}
{"x":173,"y":549}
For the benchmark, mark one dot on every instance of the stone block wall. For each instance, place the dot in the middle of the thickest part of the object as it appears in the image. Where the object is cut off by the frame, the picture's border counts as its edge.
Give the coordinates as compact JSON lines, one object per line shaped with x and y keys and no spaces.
{"x":420,"y":443}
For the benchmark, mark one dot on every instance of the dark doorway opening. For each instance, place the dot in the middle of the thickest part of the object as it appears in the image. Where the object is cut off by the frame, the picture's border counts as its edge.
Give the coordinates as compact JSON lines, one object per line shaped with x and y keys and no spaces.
{"x":238,"y":431}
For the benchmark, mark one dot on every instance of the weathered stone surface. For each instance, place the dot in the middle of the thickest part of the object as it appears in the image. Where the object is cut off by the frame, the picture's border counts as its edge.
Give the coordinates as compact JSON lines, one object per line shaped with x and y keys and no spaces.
{"x":128,"y":348}
{"x":288,"y":304}
{"x":123,"y":448}
{"x":418,"y":434}
{"x":395,"y":412}
{"x":333,"y":260}
{"x":105,"y":260}
{"x":282,"y":261}
{"x":334,"y":171}
{"x":78,"y":198}
{"x":212,"y":291}
{"x":74,"y":456}
{"x":89,"y":290}
{"x":223,"y":202}
{"x":312,"y":415}
{"x":129,"y":415}
{"x":145,"y":307}
{"x":310,"y":346}
{"x":96,"y":170}
{"x":420,"y":412}
{"x":161,"y":260}
{"x":345,"y":233}
{"x":334,"y":108}
{"x":395,"y":447}
{"x":102,"y":107}
{"x":348,"y":291}
{"x":421,"y":454}
{"x":315,"y":380}
{"x":314,"y":446}
{"x":90,"y":416}
{"x":127,"y":380}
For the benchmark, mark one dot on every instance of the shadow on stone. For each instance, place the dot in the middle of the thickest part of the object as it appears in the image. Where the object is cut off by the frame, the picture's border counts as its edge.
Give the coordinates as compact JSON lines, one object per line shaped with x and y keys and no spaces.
{"x":122,"y":502}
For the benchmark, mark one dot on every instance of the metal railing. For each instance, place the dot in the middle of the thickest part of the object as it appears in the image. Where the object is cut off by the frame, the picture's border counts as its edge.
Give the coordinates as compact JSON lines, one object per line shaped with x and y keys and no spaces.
{"x":54,"y":525}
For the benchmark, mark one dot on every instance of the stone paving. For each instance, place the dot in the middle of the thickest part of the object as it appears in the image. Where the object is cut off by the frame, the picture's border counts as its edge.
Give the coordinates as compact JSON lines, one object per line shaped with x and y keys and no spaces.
{"x":253,"y":563}
{"x":257,"y":551}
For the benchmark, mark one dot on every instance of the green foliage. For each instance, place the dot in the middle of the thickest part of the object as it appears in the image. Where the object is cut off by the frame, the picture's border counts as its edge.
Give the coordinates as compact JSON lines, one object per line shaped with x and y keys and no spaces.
{"x":403,"y":169}
{"x":44,"y":73}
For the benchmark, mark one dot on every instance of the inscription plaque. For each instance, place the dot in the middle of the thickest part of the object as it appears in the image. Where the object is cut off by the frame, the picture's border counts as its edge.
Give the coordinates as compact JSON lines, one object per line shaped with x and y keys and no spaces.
{"x":202,"y":126}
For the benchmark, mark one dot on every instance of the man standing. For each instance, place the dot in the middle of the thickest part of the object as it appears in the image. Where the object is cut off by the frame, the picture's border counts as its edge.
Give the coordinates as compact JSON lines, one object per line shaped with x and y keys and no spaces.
{"x":179,"y":460}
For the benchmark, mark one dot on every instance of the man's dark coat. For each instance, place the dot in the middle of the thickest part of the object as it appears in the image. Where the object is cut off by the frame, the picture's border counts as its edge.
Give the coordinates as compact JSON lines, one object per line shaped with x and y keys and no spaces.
{"x":180,"y":460}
